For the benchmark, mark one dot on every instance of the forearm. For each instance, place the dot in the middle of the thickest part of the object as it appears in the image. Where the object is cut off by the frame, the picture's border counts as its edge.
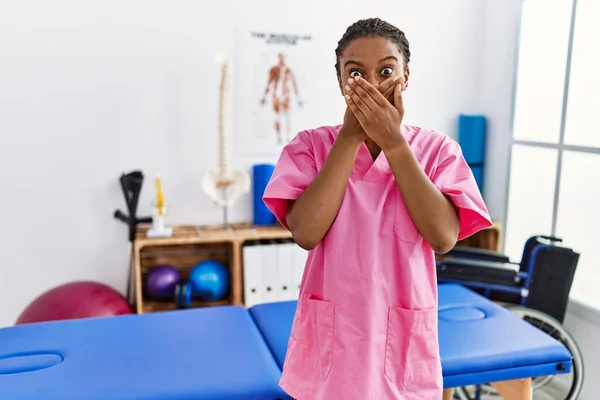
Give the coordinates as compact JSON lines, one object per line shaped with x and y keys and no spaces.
{"x":433,"y":214}
{"x":268,"y":87}
{"x":311,"y":215}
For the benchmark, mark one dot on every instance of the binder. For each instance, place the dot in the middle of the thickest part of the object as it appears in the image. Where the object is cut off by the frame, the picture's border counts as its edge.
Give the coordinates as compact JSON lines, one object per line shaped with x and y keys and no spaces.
{"x":285,"y":279}
{"x":253,"y":285}
{"x":299,"y":258}
{"x":270,"y":273}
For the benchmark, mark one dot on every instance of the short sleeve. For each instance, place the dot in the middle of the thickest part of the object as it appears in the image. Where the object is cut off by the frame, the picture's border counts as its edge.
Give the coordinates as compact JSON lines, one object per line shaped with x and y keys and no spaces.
{"x":294,"y":171}
{"x":454,"y":178}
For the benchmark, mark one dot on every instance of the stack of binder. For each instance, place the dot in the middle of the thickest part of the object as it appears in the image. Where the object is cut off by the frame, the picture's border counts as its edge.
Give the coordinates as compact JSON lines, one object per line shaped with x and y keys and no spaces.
{"x":272,"y":271}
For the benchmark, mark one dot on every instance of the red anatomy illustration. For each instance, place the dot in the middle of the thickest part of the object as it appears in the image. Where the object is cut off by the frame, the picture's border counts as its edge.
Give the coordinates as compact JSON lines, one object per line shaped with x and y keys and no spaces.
{"x":280,"y":82}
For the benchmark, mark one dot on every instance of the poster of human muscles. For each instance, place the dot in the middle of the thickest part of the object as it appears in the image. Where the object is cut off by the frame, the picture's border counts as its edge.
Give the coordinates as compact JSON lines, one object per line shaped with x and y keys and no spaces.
{"x":273,"y":96}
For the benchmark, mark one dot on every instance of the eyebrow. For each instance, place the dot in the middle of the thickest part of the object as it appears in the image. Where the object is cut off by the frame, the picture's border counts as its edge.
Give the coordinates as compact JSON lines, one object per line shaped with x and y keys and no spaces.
{"x":361,"y":65}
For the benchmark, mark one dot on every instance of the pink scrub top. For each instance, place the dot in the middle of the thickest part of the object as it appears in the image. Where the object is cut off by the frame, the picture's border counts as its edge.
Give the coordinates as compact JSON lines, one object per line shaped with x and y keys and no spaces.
{"x":366,"y":321}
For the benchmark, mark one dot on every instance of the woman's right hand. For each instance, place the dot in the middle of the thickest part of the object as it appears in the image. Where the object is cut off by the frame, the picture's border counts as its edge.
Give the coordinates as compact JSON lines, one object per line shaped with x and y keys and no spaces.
{"x":311,"y":215}
{"x":351,"y":128}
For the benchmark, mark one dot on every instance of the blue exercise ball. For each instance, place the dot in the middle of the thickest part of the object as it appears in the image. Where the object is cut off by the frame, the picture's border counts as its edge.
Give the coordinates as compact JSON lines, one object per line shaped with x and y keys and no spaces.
{"x":209,"y":280}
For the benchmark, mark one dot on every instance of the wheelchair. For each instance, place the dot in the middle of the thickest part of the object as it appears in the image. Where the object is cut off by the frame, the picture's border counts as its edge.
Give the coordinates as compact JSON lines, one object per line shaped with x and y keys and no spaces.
{"x":535,"y":289}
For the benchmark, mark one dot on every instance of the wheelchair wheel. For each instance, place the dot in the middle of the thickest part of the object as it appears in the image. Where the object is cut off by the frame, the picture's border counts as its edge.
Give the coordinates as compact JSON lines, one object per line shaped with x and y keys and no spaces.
{"x":546,"y":387}
{"x":554,"y":328}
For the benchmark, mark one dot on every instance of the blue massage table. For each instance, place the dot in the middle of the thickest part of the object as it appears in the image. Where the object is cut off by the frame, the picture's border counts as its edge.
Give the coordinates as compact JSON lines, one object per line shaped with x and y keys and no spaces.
{"x":210,"y":353}
{"x":232,"y":353}
{"x":480,"y":341}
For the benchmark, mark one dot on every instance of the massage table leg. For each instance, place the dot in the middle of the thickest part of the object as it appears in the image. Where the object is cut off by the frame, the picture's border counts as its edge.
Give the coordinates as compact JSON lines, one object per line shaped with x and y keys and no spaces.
{"x":519,"y":389}
{"x":448,"y":394}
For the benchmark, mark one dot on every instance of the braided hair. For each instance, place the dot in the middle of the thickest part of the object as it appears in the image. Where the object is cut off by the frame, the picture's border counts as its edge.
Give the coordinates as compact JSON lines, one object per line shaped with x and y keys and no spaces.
{"x":372,"y":27}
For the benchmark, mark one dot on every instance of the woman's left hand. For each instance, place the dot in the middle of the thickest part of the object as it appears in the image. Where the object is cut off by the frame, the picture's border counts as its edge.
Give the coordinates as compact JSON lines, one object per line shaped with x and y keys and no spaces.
{"x":380,"y":119}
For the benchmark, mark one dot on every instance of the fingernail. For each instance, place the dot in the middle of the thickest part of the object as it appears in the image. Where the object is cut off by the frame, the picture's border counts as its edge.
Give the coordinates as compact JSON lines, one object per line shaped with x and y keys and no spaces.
{"x":347,"y":97}
{"x":347,"y":87}
{"x":350,"y":80}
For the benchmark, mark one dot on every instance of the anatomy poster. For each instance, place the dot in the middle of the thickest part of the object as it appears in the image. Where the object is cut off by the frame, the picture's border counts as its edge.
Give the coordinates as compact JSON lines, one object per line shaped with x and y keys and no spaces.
{"x":273,"y":98}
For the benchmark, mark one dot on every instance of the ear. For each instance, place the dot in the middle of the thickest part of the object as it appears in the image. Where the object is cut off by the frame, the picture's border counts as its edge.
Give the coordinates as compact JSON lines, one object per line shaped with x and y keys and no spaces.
{"x":406,"y":75}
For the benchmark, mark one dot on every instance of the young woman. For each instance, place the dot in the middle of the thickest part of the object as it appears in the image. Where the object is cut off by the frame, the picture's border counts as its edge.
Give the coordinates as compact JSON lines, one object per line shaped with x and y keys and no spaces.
{"x":372,"y":200}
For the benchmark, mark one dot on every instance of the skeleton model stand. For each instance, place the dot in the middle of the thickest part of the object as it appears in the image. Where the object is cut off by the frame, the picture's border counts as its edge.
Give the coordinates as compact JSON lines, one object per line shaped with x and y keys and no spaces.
{"x":225,"y":186}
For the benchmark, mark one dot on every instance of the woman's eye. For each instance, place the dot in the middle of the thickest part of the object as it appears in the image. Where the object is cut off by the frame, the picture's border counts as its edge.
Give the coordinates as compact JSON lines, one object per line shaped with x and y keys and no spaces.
{"x":387,"y":71}
{"x":355,"y":73}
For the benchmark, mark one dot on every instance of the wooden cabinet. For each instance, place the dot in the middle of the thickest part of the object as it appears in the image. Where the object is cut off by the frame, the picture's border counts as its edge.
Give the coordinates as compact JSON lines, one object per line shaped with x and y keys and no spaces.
{"x":188,"y":246}
{"x":488,"y":239}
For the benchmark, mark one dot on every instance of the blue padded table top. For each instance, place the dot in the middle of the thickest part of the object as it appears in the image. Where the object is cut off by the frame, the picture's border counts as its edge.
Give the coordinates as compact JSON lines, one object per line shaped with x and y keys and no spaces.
{"x":274,"y":320}
{"x":480,"y":341}
{"x":212,"y":353}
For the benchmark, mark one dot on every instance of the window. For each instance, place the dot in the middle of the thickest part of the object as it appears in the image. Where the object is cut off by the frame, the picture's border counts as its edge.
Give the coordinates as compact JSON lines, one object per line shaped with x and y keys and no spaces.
{"x":584,"y":79}
{"x":578,"y":218}
{"x":554,"y":182}
{"x":542,"y":61}
{"x":530,"y":195}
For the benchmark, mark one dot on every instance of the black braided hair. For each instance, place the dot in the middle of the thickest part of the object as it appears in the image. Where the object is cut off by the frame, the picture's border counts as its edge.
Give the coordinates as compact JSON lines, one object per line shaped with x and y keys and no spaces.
{"x":372,"y":27}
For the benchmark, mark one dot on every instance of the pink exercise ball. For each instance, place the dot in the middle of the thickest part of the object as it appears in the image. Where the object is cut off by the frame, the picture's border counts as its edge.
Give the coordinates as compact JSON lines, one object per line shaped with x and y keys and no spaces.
{"x":75,"y":300}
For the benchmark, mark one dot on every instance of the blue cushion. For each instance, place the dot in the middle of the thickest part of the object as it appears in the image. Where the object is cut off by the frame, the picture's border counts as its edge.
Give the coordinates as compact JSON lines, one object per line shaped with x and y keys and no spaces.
{"x":472,"y":137}
{"x":212,"y":353}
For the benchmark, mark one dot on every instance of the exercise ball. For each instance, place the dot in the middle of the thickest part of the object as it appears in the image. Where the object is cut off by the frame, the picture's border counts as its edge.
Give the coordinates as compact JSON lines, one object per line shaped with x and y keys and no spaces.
{"x":209,"y":280}
{"x":161,"y":281}
{"x":75,"y":300}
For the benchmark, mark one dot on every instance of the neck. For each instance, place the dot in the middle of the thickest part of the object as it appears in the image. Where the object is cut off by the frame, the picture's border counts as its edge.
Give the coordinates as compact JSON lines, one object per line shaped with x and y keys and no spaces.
{"x":374,"y":149}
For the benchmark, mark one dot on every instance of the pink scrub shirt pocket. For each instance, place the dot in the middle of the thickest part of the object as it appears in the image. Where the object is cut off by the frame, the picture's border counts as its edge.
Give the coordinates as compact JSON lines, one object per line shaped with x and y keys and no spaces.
{"x":313,"y":335}
{"x":411,"y":353}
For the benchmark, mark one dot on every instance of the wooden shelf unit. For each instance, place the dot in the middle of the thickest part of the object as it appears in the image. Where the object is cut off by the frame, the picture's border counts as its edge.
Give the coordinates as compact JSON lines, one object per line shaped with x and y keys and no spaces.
{"x":188,"y":246}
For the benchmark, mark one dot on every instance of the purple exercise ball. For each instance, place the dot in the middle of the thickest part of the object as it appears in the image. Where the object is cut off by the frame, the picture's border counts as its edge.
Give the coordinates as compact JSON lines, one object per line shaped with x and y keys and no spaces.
{"x":161,"y":281}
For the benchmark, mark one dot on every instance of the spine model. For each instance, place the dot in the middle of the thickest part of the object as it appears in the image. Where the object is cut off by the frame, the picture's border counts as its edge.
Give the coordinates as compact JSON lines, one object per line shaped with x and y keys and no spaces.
{"x":225,"y":185}
{"x":223,"y":128}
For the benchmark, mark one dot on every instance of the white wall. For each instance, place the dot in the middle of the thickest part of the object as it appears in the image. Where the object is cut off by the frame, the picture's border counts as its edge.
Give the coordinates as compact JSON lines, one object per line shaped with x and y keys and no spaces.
{"x":89,"y":90}
{"x":497,"y":67}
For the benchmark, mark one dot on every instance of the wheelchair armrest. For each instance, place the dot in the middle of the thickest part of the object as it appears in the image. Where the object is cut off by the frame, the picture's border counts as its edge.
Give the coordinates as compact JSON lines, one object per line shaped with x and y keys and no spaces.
{"x":489,"y":266}
{"x":481,"y":271}
{"x":522,"y":275}
{"x":478,"y":254}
